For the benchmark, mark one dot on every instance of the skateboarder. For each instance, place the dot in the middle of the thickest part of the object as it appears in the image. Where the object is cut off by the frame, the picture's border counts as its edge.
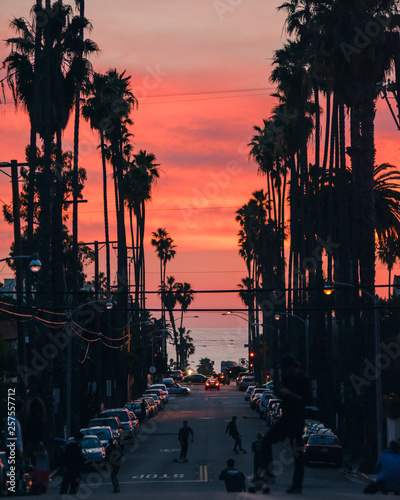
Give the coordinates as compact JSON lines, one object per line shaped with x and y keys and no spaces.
{"x":183,"y":437}
{"x":232,"y":430}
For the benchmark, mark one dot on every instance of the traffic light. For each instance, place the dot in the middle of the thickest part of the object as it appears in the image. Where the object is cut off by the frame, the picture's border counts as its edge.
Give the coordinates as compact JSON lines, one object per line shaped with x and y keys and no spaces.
{"x":251,"y":359}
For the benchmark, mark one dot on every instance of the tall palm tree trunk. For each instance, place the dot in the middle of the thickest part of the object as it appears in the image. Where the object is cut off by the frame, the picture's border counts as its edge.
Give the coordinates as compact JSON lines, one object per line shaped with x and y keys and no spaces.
{"x":105,"y":207}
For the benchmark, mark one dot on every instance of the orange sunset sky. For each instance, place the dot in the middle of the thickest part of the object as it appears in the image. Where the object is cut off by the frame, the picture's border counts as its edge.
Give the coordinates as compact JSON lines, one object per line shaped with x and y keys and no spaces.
{"x":200,"y":71}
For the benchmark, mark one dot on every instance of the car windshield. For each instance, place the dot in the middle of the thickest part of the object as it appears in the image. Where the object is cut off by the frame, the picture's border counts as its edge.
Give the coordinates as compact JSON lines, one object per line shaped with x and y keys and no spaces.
{"x":122,"y":415}
{"x":110,"y":423}
{"x":102,"y":434}
{"x":324,"y":440}
{"x":90,"y":442}
{"x":134,"y":406}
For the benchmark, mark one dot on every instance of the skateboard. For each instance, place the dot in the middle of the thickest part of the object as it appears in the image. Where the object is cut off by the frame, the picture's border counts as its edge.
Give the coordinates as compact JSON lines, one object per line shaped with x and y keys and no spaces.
{"x":180,"y":460}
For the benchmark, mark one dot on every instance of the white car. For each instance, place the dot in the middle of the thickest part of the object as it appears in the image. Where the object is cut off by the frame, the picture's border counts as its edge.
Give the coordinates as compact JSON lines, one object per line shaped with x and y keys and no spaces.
{"x":247,"y":394}
{"x":164,"y":389}
{"x":267,"y":395}
{"x":92,"y":450}
{"x":103,"y":433}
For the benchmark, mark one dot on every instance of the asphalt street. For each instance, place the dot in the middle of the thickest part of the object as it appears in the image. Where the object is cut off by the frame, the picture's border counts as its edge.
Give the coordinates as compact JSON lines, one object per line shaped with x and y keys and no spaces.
{"x":149,"y":470}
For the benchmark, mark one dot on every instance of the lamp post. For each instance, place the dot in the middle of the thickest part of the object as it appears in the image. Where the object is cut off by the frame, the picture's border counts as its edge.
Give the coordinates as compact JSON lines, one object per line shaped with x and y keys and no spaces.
{"x":264,"y":344}
{"x":328,"y":290}
{"x":306,"y":323}
{"x":249,"y":331}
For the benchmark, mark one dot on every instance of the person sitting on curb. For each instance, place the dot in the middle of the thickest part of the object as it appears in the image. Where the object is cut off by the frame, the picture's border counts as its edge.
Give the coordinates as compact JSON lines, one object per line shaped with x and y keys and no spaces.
{"x":234,"y":479}
{"x":388,"y":468}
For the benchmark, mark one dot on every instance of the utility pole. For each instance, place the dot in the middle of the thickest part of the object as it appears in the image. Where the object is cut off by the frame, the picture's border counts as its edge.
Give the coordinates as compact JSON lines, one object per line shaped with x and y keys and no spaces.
{"x":19,"y":285}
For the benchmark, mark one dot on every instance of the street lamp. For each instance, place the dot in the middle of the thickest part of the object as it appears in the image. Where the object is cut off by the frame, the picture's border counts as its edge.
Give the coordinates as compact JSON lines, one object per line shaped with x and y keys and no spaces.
{"x":264,"y":344}
{"x":306,"y":323}
{"x":247,"y":319}
{"x":328,"y":290}
{"x":237,"y":314}
{"x":34,"y":265}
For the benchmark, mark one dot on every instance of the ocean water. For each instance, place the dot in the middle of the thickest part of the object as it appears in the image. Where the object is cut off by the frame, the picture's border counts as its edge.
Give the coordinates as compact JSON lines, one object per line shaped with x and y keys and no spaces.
{"x":218,"y":344}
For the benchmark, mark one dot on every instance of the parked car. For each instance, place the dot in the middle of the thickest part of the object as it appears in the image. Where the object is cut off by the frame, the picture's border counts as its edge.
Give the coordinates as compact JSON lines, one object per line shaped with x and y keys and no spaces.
{"x":113,"y":422}
{"x":243,"y":374}
{"x":211,"y":383}
{"x":103,"y":433}
{"x":195,"y":378}
{"x":323,"y":448}
{"x":178,"y":389}
{"x":92,"y":450}
{"x":28,"y":473}
{"x":153,"y":402}
{"x":245,"y":382}
{"x":272,"y":411}
{"x":157,"y":396}
{"x":135,"y":422}
{"x":136,"y":407}
{"x":247,"y":394}
{"x":315,"y":429}
{"x":267,"y":395}
{"x":256,"y":394}
{"x":168,"y":382}
{"x":163,"y":388}
{"x":129,"y":430}
{"x":177,"y":374}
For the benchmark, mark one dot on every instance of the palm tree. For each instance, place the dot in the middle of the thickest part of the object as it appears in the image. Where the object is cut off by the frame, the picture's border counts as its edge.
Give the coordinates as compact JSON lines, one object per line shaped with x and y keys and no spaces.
{"x":169,"y":300}
{"x":120,"y":104}
{"x":187,"y":347}
{"x":141,"y":174}
{"x":95,"y":111}
{"x":165,"y":250}
{"x":388,"y":252}
{"x":184,"y":296}
{"x":44,"y":67}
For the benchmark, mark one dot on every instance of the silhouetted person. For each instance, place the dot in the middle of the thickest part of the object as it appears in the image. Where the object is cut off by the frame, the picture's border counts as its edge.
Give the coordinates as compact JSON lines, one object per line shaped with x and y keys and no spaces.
{"x":114,"y":456}
{"x":232,"y":430}
{"x":183,"y":437}
{"x":295,"y":393}
{"x":256,"y":448}
{"x":388,"y":469}
{"x":72,"y":464}
{"x":34,"y":436}
{"x":234,"y":479}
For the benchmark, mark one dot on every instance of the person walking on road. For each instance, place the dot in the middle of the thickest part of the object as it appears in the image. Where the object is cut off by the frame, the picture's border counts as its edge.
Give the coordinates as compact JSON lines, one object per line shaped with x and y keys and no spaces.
{"x":295,"y":393}
{"x":256,"y":448}
{"x":183,"y":437}
{"x":232,"y":430}
{"x":73,"y":464}
{"x":235,"y":480}
{"x":114,"y":456}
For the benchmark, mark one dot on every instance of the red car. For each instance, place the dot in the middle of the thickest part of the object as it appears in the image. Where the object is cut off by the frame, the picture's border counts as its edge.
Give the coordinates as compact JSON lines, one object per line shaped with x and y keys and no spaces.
{"x":211,"y":383}
{"x":324,"y":448}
